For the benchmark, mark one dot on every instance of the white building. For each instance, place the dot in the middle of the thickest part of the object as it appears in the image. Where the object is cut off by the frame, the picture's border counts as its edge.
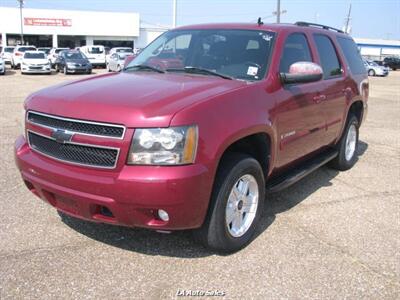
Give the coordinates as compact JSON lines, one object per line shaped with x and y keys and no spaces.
{"x":72,"y":28}
{"x":378,"y":49}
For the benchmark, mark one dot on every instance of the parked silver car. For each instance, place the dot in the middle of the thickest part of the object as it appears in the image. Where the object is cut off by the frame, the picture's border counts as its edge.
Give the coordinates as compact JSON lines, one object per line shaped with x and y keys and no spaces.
{"x":374,"y":69}
{"x":116,"y":61}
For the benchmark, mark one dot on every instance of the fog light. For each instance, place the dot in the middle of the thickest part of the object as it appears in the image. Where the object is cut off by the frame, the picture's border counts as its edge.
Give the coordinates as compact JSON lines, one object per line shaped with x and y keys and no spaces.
{"x":163,"y":215}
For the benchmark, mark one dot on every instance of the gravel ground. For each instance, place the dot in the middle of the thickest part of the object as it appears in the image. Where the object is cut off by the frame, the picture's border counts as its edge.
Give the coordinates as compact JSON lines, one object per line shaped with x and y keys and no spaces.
{"x":331,"y":235}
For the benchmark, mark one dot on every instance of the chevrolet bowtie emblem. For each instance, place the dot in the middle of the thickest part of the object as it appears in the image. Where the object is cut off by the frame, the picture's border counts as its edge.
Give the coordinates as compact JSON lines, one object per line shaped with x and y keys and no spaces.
{"x":61,"y":136}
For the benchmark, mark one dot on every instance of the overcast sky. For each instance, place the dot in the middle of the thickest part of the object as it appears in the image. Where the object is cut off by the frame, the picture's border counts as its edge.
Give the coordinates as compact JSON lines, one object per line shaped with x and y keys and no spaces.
{"x":369,"y":18}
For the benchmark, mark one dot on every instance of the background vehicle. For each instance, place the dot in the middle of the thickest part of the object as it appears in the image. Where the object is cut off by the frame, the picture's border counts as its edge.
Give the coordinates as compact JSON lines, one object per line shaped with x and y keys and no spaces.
{"x":197,"y":128}
{"x":392,"y":62}
{"x":118,"y":50}
{"x":18,"y":53}
{"x":35,"y":62}
{"x":96,"y":55}
{"x":116,"y":61}
{"x":73,"y":61}
{"x":6,"y":54}
{"x":374,"y":69}
{"x":2,"y":67}
{"x":46,"y":50}
{"x":53,"y":54}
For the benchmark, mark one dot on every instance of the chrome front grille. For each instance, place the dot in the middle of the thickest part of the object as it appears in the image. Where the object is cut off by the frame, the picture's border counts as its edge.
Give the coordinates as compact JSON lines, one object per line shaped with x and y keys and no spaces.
{"x":76,"y":126}
{"x":75,"y":153}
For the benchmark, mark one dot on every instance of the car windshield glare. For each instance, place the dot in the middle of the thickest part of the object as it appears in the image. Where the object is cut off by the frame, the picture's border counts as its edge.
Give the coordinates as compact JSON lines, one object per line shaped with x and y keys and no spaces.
{"x":239,"y":54}
{"x":31,"y":55}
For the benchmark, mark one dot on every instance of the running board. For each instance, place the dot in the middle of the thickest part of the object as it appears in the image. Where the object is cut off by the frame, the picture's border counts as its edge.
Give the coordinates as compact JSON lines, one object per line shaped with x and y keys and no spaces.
{"x":287,"y":179}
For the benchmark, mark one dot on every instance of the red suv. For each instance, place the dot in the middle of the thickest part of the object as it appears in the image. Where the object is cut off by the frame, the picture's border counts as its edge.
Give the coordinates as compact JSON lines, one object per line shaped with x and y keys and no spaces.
{"x":197,"y":128}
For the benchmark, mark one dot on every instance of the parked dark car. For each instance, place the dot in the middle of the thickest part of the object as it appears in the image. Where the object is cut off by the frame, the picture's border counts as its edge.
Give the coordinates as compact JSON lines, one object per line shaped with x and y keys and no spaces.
{"x":72,"y":61}
{"x":197,"y":128}
{"x":392,"y":62}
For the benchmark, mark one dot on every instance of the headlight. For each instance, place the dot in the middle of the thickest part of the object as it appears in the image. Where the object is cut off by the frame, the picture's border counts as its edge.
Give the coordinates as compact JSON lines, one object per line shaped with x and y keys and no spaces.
{"x":23,"y":113}
{"x":164,"y":146}
{"x":24,"y":64}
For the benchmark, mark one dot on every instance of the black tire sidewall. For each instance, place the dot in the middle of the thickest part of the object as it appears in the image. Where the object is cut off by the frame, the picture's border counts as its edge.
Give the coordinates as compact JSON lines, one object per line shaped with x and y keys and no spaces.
{"x":219,"y":237}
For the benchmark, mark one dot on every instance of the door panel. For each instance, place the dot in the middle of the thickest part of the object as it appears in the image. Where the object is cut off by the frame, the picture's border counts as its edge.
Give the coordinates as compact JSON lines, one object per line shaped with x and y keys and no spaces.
{"x":300,"y":121}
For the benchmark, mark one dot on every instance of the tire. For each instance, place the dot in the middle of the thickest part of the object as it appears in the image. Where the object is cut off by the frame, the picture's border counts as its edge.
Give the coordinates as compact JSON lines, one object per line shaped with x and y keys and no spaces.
{"x":371,"y":73}
{"x":347,"y":146}
{"x":57,"y":68}
{"x":65,"y":70}
{"x":217,"y":232}
{"x":108,"y":68}
{"x":89,"y":71}
{"x":118,"y":68}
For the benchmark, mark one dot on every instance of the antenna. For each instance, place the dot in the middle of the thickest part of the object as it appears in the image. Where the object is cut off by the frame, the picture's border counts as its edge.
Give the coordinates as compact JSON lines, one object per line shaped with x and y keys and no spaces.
{"x":259,"y":22}
{"x":346,"y":26}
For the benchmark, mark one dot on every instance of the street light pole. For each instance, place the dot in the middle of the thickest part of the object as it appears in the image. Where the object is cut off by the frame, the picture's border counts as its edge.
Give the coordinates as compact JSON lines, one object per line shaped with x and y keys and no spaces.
{"x":174,"y":13}
{"x":21,"y":4}
{"x":278,"y":12}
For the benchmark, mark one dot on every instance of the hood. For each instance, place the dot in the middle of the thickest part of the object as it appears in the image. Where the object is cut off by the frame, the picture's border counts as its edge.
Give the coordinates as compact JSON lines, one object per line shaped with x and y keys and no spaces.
{"x":77,"y":60}
{"x":135,"y":99}
{"x":35,"y":61}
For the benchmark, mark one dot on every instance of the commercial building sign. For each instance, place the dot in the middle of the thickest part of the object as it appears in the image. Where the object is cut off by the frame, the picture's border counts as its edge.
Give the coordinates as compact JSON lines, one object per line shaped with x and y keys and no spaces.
{"x":47,"y":22}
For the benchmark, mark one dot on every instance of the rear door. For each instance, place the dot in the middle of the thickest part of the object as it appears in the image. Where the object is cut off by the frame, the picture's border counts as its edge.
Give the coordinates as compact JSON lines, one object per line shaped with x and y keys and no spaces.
{"x":300,"y":121}
{"x":333,"y":104}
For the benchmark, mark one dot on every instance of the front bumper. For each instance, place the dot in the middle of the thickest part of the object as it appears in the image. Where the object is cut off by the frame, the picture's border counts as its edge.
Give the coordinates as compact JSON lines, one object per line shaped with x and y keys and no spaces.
{"x":78,"y":69}
{"x":132,"y":194}
{"x":27,"y":69}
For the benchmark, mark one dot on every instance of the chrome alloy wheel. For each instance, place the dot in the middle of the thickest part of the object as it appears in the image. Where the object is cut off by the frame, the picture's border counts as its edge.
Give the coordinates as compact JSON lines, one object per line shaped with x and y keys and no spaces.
{"x":241,"y":207}
{"x":351,"y":142}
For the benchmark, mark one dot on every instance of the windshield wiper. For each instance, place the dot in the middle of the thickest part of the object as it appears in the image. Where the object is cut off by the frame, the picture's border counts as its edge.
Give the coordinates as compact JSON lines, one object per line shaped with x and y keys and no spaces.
{"x":196,"y":70}
{"x":144,"y":67}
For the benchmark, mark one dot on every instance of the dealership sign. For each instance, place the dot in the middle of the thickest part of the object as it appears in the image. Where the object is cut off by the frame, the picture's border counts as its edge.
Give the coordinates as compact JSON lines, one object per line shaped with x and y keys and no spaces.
{"x":47,"y":22}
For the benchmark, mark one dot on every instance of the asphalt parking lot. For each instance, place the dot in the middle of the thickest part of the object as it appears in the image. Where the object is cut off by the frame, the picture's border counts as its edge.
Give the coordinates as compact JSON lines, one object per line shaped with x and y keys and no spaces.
{"x":331,"y":235}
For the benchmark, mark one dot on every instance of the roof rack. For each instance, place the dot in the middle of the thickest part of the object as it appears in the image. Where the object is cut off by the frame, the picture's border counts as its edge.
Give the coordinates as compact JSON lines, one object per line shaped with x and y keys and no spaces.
{"x":301,"y":23}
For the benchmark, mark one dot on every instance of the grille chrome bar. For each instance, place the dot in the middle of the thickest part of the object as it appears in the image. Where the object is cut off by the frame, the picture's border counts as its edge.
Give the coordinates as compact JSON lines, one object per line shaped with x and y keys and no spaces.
{"x":97,"y":129}
{"x":74,"y":153}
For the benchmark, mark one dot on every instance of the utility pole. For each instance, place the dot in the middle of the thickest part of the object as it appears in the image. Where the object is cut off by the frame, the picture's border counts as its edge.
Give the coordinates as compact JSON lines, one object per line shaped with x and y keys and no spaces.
{"x":278,"y":11}
{"x":21,"y":5}
{"x":174,"y":13}
{"x":346,"y":27}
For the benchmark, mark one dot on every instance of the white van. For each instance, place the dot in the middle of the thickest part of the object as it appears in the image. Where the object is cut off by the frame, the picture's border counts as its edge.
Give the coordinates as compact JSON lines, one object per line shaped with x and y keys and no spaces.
{"x":96,"y":54}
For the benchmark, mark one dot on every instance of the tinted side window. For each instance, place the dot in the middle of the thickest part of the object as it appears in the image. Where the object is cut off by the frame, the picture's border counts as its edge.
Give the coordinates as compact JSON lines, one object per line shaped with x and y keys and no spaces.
{"x":353,"y":58}
{"x":329,"y":61}
{"x":296,"y":49}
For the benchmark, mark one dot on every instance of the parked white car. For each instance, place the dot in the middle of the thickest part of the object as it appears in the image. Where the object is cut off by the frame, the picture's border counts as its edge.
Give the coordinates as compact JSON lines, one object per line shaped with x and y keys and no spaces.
{"x":35,"y":62}
{"x":96,"y":55}
{"x":53,"y":54}
{"x":2,"y":67}
{"x":119,"y":50}
{"x":18,"y":53}
{"x":117,"y":61}
{"x":374,"y":69}
{"x":6,"y":54}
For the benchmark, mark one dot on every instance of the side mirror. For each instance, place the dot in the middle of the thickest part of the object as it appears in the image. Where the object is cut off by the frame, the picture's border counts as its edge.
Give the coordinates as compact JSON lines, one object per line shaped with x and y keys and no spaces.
{"x":302,"y":72}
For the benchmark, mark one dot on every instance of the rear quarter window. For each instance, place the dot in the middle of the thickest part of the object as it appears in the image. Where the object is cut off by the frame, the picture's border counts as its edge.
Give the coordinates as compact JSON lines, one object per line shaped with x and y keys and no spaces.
{"x":352,"y":55}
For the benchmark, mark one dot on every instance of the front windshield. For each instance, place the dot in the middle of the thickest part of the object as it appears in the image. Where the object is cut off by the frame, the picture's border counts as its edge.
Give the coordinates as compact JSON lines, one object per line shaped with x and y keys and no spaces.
{"x":73,"y":55}
{"x":124,"y":50}
{"x":240,"y":54}
{"x":95,"y":50}
{"x":372,"y":63}
{"x":32,"y":55}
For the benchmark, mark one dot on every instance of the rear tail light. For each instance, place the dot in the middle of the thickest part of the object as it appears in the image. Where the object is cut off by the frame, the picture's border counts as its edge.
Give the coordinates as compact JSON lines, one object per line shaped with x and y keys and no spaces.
{"x":18,"y":54}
